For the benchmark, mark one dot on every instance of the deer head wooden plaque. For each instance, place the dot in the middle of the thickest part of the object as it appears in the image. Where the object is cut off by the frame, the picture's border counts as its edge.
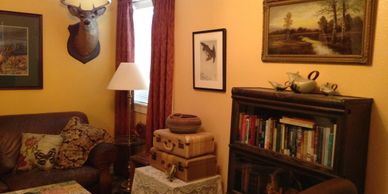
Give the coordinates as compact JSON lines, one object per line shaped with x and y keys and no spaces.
{"x":83,"y":43}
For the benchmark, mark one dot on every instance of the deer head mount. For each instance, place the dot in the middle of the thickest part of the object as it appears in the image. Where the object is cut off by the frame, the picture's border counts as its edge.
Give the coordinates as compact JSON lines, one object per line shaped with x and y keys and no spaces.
{"x":83,"y":43}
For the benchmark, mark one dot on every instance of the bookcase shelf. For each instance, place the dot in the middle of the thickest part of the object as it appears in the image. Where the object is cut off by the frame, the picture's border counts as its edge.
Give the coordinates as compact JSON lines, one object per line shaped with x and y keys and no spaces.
{"x":316,"y":137}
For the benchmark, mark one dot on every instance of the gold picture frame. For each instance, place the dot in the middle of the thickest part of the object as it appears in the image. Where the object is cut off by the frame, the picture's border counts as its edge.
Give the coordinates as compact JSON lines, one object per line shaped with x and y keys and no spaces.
{"x":311,"y":31}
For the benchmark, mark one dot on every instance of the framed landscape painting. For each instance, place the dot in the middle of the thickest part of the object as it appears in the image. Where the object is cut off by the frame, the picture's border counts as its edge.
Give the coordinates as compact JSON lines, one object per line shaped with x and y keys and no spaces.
{"x":209,"y":59}
{"x":318,"y":31}
{"x":20,"y":50}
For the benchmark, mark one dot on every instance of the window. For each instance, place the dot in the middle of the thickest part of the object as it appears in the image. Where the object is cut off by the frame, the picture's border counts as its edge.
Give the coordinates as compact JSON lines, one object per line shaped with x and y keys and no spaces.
{"x":142,"y":18}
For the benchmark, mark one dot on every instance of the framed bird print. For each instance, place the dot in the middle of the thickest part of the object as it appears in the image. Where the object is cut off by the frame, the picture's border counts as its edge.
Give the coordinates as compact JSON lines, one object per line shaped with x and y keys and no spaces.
{"x":209,"y":60}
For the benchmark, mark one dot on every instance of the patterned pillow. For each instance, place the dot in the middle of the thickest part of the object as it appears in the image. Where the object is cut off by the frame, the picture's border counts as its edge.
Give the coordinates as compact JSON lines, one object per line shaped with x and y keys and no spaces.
{"x":38,"y":150}
{"x":78,"y":140}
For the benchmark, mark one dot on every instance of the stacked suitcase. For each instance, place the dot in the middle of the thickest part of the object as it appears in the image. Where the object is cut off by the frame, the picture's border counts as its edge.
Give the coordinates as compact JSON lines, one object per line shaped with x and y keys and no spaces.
{"x":190,"y":155}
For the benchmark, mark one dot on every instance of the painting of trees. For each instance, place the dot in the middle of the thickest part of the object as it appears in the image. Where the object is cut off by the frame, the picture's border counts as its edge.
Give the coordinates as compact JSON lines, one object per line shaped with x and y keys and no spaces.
{"x":287,"y":24}
{"x":317,"y":27}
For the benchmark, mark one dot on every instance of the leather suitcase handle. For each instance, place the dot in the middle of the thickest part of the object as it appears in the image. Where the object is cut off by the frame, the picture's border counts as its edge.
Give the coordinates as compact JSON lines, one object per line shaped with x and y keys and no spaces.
{"x":171,"y":172}
{"x":168,"y":147}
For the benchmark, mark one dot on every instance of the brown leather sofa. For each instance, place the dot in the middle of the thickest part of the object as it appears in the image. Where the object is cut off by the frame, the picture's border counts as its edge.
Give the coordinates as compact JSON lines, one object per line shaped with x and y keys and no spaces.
{"x":94,"y":175}
{"x":332,"y":186}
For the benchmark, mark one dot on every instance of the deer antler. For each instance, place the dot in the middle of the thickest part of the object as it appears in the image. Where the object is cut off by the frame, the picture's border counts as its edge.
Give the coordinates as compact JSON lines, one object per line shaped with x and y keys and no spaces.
{"x":103,"y":5}
{"x":67,"y":4}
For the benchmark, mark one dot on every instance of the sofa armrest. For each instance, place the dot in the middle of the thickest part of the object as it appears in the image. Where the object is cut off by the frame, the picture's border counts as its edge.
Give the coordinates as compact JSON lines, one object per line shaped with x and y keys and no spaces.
{"x":102,"y":157}
{"x":3,"y":187}
{"x":332,"y":186}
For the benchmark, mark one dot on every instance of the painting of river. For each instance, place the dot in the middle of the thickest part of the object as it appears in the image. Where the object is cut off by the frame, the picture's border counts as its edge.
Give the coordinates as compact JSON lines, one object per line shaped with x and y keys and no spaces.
{"x":318,"y":28}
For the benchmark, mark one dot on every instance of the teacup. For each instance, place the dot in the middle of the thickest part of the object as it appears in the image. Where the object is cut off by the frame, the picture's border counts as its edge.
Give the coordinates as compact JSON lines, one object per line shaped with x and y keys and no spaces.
{"x":329,"y":88}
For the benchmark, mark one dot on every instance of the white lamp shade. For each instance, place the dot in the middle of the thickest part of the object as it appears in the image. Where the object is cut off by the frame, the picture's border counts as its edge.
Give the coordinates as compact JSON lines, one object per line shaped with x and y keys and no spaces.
{"x":127,"y":77}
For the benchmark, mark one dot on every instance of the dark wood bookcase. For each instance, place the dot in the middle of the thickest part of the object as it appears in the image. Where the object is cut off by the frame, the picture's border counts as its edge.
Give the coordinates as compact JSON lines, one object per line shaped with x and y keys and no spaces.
{"x":250,"y":162}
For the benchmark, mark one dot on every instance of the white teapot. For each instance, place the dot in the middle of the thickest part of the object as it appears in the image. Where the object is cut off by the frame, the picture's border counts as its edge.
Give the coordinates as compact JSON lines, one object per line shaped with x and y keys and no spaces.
{"x":300,"y":84}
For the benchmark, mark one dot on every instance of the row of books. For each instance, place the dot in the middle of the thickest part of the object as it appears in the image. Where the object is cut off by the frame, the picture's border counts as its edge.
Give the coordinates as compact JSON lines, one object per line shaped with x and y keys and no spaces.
{"x":254,"y":178}
{"x":295,"y":137}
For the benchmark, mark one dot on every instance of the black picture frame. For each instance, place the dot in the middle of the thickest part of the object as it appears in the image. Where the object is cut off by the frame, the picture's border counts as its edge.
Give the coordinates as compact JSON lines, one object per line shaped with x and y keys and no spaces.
{"x":20,"y":51}
{"x":303,"y":31}
{"x":209,"y":60}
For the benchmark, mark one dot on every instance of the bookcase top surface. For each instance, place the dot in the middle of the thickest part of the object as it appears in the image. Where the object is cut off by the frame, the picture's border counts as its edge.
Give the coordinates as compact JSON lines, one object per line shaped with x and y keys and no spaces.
{"x":289,"y":96}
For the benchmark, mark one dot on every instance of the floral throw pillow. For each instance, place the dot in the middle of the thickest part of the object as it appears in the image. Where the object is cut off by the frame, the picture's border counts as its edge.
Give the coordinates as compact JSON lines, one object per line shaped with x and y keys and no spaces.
{"x":78,"y":140}
{"x":38,"y":150}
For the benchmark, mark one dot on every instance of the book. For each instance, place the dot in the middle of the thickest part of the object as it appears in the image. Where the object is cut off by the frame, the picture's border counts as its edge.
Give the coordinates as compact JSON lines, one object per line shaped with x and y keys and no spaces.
{"x":283,"y":145}
{"x":283,"y":136}
{"x":274,"y":136}
{"x":297,"y":122}
{"x":320,"y":144}
{"x":325,"y":147}
{"x":292,"y":141}
{"x":262,"y":129}
{"x":252,"y":129}
{"x":333,"y":148}
{"x":242,"y":127}
{"x":259,"y":132}
{"x":247,"y":129}
{"x":268,"y":134}
{"x":299,"y":143}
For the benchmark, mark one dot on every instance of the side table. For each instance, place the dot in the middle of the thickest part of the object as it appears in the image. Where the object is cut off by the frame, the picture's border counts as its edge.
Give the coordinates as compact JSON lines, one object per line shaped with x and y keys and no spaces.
{"x":151,"y":180}
{"x":125,"y":150}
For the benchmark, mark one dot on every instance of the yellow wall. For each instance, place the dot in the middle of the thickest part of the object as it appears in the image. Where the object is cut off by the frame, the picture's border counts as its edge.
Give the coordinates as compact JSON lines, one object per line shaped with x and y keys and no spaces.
{"x":68,"y":83}
{"x":243,"y":21}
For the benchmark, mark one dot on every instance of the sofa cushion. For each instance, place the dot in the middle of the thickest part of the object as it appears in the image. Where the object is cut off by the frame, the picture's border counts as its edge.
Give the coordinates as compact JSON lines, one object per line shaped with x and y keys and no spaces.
{"x":78,"y":140}
{"x":3,"y":187}
{"x":85,"y":176}
{"x":10,"y":141}
{"x":38,"y":150}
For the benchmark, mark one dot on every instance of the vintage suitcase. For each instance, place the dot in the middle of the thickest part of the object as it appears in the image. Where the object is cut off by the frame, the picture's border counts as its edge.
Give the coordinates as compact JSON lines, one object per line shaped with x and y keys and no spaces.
{"x":184,"y":169}
{"x":184,"y":145}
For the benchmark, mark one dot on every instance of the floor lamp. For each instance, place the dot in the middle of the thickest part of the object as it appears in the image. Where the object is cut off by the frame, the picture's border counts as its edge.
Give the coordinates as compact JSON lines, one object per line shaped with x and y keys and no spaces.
{"x":127,"y":78}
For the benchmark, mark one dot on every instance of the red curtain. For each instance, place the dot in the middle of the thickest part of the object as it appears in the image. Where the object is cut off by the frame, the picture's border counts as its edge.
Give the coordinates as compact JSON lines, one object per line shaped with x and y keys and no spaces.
{"x":125,"y":44}
{"x":162,"y":60}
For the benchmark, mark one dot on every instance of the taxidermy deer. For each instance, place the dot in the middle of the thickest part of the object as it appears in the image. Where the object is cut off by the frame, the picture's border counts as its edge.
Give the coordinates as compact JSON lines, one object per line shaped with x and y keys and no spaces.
{"x":83,"y":43}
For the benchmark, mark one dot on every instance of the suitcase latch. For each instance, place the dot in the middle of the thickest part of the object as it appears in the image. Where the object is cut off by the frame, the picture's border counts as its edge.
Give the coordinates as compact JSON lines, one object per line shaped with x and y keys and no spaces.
{"x":153,"y":156}
{"x":181,"y":145}
{"x":180,"y":167}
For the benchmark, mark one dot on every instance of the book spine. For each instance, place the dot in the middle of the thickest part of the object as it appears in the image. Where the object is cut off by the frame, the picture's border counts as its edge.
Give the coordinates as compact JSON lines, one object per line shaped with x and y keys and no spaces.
{"x":262,"y":136}
{"x":299,"y":142}
{"x":316,"y":144}
{"x":247,"y":128}
{"x":242,"y":128}
{"x":297,"y":122}
{"x":310,"y":146}
{"x":278,"y":137}
{"x":326,"y":134}
{"x":292,"y":142}
{"x":258,"y":131}
{"x":252,"y":129}
{"x":329,"y":149}
{"x":274,"y":136}
{"x":283,"y":137}
{"x":320,"y":145}
{"x":333,"y":148}
{"x":268,"y":134}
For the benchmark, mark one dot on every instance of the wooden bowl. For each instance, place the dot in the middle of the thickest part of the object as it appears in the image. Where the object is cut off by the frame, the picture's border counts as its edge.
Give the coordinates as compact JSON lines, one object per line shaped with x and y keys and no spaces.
{"x":183,"y":123}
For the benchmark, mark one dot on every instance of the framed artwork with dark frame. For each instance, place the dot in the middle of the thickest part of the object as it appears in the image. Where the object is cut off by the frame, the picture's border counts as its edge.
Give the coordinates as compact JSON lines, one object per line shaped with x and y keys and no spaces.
{"x":209,"y":60}
{"x":318,"y":31}
{"x":20,"y":50}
